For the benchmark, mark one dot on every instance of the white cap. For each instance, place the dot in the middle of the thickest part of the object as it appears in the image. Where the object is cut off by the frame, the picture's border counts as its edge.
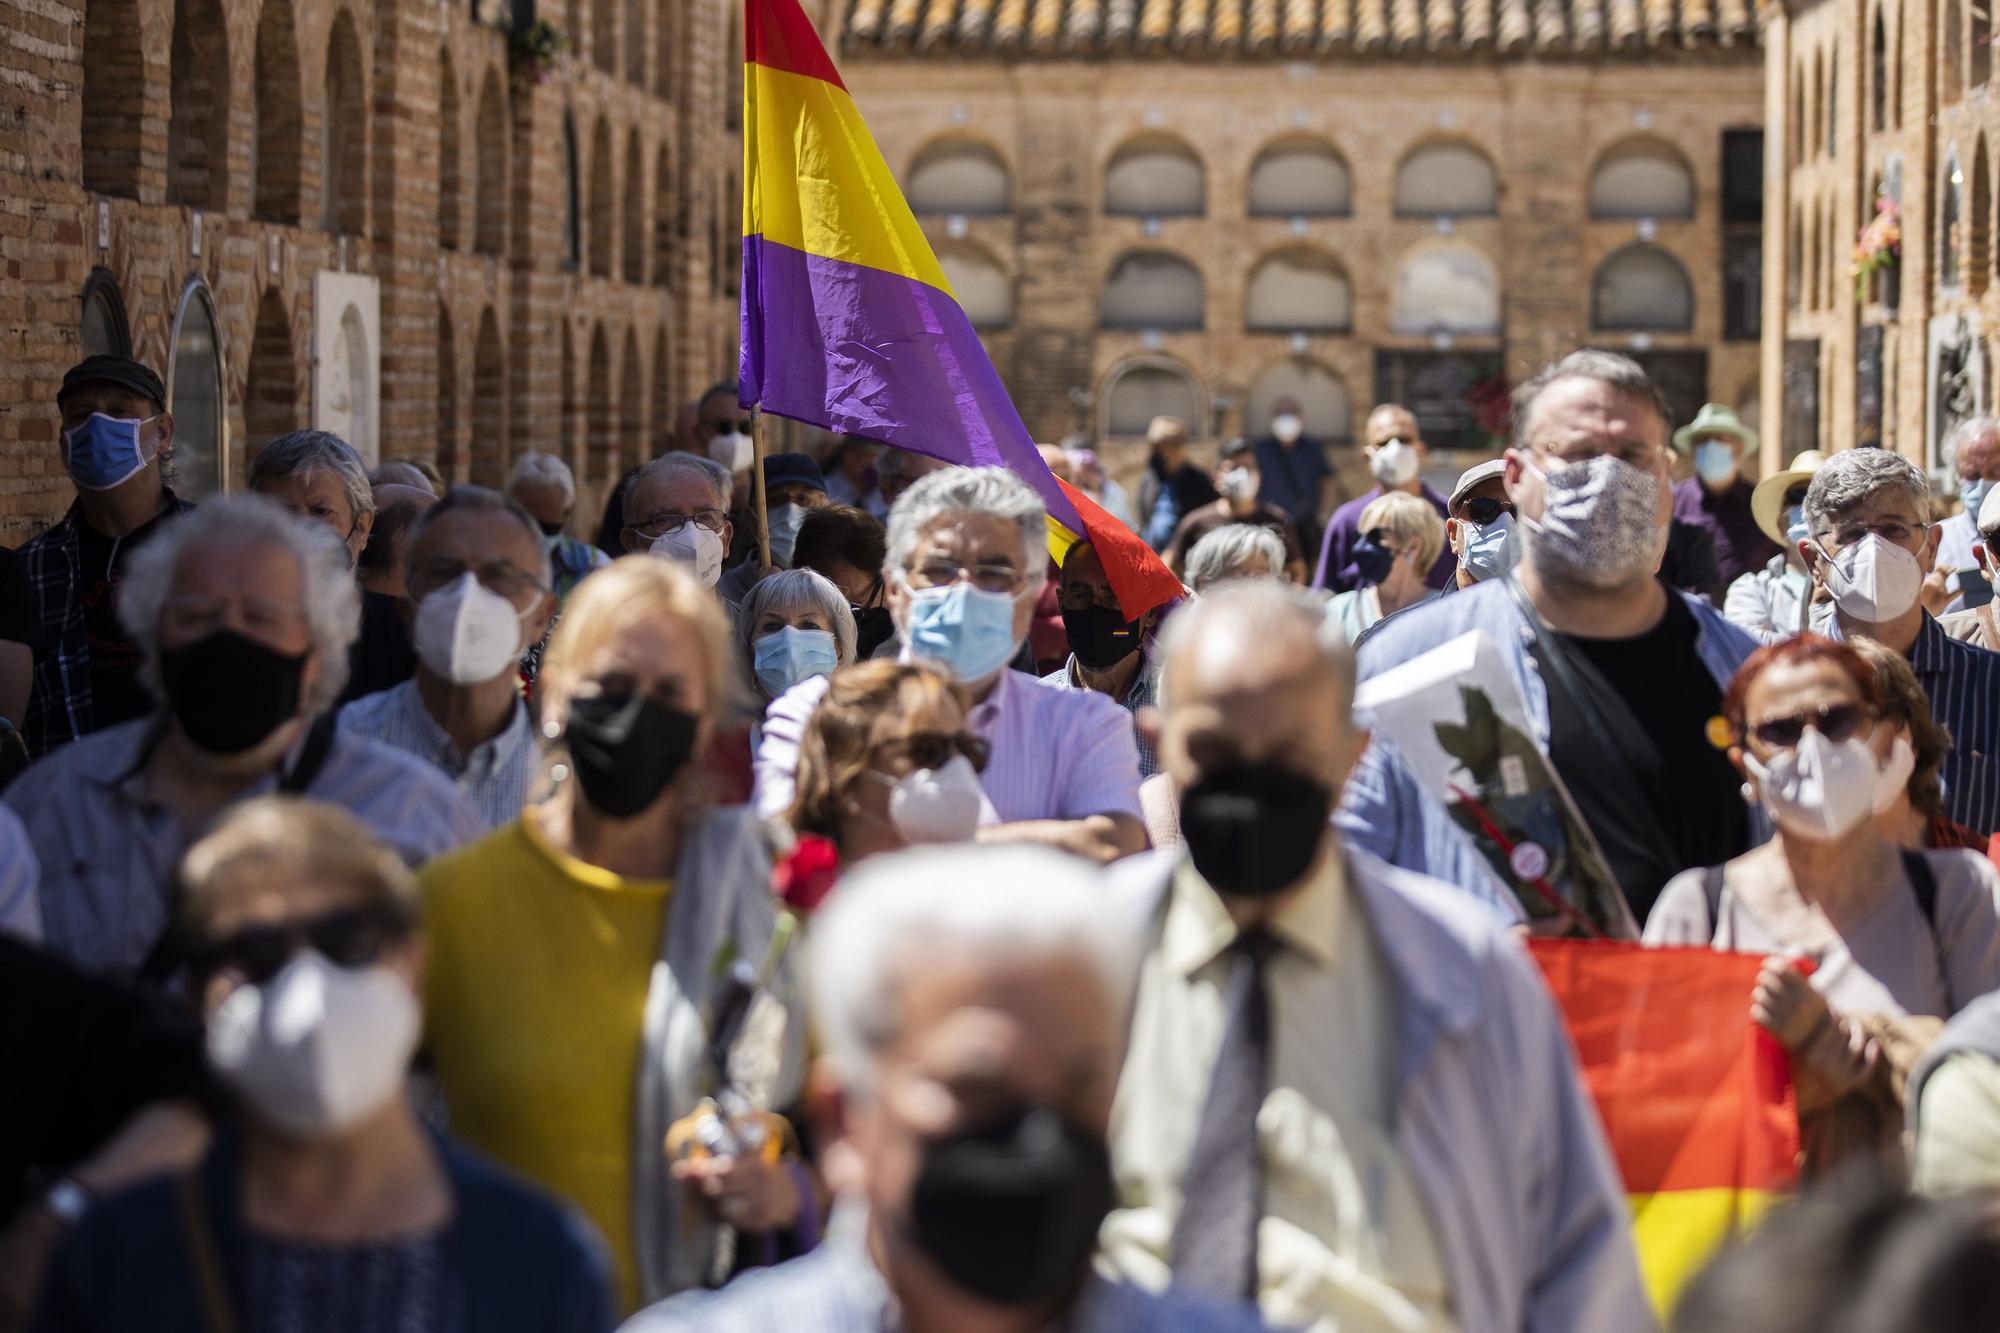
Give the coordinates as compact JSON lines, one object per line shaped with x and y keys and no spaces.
{"x":1472,"y":476}
{"x":1988,"y":516}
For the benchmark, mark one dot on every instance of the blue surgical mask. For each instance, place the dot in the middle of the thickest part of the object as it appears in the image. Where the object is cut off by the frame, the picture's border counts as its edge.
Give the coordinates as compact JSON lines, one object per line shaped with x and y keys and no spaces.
{"x":105,"y":451}
{"x":784,"y":524}
{"x":1972,"y":494}
{"x":787,"y":656}
{"x":1491,"y":550}
{"x":964,"y":629}
{"x":1795,"y":524}
{"x":1714,"y":461}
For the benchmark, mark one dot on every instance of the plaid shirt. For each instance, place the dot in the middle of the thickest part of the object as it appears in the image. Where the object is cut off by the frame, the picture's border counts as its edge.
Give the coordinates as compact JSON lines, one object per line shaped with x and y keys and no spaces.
{"x":59,"y":707}
{"x":1145,"y":686}
{"x":496,"y":777}
{"x":570,"y":560}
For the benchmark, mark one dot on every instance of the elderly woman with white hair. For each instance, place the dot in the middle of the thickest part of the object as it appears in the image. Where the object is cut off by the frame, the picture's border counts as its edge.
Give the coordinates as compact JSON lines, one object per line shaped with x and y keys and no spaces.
{"x":543,"y":485}
{"x":1238,"y":551}
{"x":243,"y":615}
{"x":792,"y":626}
{"x":967,"y":559}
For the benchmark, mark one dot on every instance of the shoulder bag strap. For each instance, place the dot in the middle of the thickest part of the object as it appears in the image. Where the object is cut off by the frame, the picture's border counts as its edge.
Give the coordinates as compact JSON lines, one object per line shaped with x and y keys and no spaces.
{"x":208,"y":1278}
{"x":312,"y":757}
{"x":1601,"y":727}
{"x":1711,"y":889}
{"x":1923,"y":882}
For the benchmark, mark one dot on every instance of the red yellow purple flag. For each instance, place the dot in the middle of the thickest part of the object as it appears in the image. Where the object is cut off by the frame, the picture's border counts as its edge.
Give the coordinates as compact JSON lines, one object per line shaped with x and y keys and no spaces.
{"x":1696,"y":1099}
{"x":848,"y":321}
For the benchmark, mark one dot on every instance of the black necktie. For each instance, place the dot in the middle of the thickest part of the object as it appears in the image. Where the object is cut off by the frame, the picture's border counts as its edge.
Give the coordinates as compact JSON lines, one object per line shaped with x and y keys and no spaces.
{"x":1222,"y":1196}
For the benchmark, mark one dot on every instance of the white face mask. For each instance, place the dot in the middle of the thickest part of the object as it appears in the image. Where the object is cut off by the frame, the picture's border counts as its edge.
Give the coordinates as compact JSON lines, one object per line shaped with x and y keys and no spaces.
{"x":1237,"y":484}
{"x":1490,"y":551}
{"x":784,"y":522}
{"x":467,"y":633}
{"x":1873,"y":580}
{"x":733,"y":450}
{"x":317,"y":1048}
{"x":938,"y":804}
{"x":1394,"y":463}
{"x":1818,"y":790}
{"x":1600,"y":525}
{"x":1893,"y":784}
{"x":1286,"y":427}
{"x":695,"y":547}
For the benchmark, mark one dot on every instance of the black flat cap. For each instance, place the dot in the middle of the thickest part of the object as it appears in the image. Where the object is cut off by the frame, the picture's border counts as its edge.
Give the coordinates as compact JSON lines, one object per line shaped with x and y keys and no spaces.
{"x":110,"y":368}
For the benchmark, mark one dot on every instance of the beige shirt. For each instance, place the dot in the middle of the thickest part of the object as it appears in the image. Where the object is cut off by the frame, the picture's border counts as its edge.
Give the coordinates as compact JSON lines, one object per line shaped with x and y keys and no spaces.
{"x":1345,"y":1242}
{"x":1958,"y":1143}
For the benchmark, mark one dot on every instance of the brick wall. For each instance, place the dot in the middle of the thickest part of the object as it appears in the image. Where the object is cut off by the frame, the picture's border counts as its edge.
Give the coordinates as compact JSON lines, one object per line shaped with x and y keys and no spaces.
{"x":176,"y":144}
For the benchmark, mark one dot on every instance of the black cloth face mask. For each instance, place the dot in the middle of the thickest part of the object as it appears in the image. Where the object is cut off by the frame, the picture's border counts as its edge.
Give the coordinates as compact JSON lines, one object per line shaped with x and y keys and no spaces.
{"x":627,"y":750}
{"x":1009,"y":1210}
{"x":872,"y":627}
{"x":1253,"y":829}
{"x":1100,"y":637}
{"x":1373,"y":561}
{"x":229,"y":692}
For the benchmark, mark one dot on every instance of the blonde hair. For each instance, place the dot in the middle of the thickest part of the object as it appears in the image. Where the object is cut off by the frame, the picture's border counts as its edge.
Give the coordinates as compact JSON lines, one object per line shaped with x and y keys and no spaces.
{"x":280,"y":840}
{"x":630,"y":590}
{"x":1406,"y":518}
{"x":844,"y":730}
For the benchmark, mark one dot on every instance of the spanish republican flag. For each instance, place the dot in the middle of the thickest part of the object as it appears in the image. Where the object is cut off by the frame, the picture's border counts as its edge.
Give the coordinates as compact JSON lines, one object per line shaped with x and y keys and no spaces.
{"x":848,"y":321}
{"x":1696,"y":1099}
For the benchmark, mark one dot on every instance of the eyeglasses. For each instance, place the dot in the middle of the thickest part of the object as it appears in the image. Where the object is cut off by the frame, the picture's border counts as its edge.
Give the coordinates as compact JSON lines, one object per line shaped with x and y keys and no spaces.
{"x":660,"y":524}
{"x":196,"y":617}
{"x":1836,"y":722}
{"x":933,"y":749}
{"x":499,"y":577}
{"x":1484,"y":509}
{"x":985,"y":576}
{"x":346,"y":937}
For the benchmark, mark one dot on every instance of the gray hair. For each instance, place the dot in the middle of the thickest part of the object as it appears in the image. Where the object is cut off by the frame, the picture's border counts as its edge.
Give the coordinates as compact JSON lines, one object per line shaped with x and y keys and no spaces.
{"x":1227,"y":549}
{"x":303,"y":452}
{"x":796,"y":590}
{"x":1005,"y":903}
{"x":486,"y":500}
{"x":993,"y":491}
{"x":1850,"y":477}
{"x":1258,"y":615}
{"x":1608,"y":368}
{"x":327,"y":593}
{"x":679,"y":463}
{"x":1963,"y":434}
{"x":539,"y":469}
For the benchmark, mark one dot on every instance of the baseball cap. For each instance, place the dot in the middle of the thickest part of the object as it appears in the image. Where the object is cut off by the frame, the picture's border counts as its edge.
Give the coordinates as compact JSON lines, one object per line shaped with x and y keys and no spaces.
{"x":111,"y":368}
{"x":1472,"y":476}
{"x":787,"y":469}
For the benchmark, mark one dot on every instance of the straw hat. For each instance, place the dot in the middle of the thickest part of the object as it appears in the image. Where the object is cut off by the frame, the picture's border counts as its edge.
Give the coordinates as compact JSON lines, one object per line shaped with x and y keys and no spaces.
{"x":1715,"y":419}
{"x":1767,"y":500}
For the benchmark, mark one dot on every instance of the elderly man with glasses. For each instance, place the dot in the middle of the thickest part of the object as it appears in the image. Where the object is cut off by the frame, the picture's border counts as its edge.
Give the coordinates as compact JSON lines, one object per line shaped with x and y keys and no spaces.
{"x":1620,"y":673}
{"x":243,"y":615}
{"x":478,"y":597}
{"x":967,"y":559}
{"x":677,"y":508}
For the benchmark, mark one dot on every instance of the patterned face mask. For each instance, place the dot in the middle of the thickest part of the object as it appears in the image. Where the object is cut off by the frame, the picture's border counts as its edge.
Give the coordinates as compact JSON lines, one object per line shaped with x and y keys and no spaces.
{"x":1600,"y":525}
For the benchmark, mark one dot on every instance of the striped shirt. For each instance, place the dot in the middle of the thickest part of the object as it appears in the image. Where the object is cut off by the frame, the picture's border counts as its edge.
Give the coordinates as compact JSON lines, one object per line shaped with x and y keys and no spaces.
{"x":1145,"y":690}
{"x":1963,"y":683}
{"x":837,"y":1289}
{"x":496,"y":776}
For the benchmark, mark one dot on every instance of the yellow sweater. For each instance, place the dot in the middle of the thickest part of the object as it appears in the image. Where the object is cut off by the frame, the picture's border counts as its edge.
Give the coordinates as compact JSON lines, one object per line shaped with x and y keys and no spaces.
{"x":537,"y":989}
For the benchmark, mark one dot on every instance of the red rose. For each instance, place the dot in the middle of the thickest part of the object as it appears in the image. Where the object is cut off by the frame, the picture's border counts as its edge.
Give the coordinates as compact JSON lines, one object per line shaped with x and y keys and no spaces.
{"x":803,"y":879}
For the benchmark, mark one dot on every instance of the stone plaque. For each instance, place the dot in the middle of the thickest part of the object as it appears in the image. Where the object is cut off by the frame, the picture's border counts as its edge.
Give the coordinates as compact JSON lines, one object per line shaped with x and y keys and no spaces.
{"x":1868,"y":386}
{"x":1801,"y":396}
{"x":1459,"y":398}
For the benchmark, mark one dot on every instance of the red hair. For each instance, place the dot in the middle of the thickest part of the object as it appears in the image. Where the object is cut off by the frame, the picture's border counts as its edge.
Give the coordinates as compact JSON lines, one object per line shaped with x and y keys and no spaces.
{"x":1803,"y":650}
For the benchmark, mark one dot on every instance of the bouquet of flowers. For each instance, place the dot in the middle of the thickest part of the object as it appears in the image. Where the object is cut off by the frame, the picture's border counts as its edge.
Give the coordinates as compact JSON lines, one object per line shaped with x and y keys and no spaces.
{"x":1878,"y":247}
{"x":533,"y":51}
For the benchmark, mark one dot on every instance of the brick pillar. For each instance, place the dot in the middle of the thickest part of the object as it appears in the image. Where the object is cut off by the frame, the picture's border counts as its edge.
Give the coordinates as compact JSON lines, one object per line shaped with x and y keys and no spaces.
{"x":1053,"y":343}
{"x":406,"y":194}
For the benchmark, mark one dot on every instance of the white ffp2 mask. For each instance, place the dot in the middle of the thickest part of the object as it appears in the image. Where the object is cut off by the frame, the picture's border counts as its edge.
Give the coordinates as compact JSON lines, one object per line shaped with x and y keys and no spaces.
{"x":938,"y":804}
{"x":1819,"y":789}
{"x":695,"y":547}
{"x":1394,"y":463}
{"x":467,"y":633}
{"x":1873,"y":580}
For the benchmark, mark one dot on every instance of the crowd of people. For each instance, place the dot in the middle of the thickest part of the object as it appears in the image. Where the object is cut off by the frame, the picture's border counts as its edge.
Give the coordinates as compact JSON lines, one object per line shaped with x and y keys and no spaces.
{"x":419,"y":913}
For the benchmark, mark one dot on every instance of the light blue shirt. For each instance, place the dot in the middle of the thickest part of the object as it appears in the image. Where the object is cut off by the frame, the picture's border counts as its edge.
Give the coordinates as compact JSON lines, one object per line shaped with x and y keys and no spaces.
{"x":496,"y":776}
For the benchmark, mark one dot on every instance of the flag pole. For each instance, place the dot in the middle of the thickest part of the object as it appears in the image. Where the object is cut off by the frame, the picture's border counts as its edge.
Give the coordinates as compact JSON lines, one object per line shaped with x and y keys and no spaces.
{"x":757,"y":480}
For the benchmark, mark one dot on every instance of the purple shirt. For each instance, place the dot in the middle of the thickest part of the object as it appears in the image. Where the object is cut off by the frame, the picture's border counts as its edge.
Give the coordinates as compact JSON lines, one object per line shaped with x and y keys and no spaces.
{"x":1740,"y":545}
{"x":1336,"y":572}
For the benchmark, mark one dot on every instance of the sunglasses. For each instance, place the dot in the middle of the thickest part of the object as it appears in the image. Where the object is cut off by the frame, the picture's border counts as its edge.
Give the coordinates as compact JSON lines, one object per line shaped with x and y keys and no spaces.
{"x":1836,"y":722}
{"x":1484,"y":509}
{"x":350,"y":937}
{"x":933,"y":749}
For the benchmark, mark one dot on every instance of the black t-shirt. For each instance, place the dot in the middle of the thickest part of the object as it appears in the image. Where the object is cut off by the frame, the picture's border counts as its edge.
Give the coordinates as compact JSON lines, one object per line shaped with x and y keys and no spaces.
{"x":116,"y":694}
{"x":1671,"y":801}
{"x":19,"y":620}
